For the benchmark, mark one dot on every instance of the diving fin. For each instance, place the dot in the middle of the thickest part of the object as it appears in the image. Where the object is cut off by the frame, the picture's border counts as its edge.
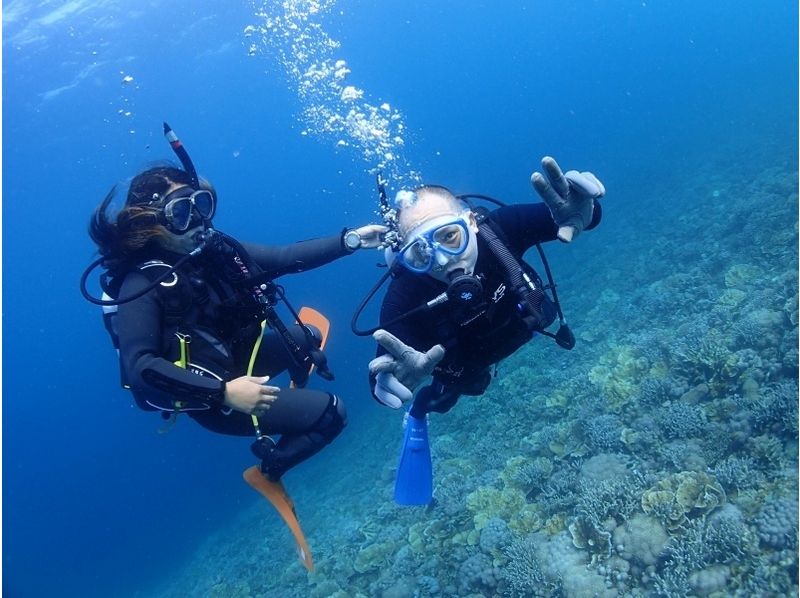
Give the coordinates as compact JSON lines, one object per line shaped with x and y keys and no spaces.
{"x":275,"y":493}
{"x":414,"y":482}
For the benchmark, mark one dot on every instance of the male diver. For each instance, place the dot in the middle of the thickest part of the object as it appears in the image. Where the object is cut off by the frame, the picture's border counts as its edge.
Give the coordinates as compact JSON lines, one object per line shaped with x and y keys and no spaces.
{"x":461,"y":299}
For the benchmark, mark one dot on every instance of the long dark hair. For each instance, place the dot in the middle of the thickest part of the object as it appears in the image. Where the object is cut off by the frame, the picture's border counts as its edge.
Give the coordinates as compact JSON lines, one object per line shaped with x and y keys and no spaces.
{"x":134,"y":231}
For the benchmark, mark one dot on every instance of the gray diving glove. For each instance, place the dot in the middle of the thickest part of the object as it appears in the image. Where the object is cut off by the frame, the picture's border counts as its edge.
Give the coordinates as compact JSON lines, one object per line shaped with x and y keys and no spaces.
{"x":569,"y":196}
{"x":400,"y":371}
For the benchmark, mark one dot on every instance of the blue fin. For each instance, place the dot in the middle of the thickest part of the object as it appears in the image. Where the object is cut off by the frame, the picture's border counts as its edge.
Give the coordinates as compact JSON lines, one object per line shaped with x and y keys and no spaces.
{"x":414,"y":483}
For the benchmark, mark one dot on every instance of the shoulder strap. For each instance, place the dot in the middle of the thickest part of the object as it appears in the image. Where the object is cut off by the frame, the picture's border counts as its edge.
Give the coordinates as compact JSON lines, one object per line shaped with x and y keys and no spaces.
{"x":175,"y":292}
{"x":539,"y":311}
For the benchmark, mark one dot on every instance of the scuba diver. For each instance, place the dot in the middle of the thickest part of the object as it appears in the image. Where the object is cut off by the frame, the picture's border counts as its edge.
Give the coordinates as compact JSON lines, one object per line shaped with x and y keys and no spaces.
{"x":461,"y":299}
{"x":192,"y":313}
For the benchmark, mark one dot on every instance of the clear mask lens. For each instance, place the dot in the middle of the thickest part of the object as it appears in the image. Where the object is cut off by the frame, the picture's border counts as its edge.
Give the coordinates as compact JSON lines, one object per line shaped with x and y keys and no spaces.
{"x":418,"y":255}
{"x":435,"y":246}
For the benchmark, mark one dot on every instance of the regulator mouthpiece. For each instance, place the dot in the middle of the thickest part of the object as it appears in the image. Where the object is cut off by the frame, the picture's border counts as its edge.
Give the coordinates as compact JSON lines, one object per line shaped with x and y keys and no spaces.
{"x":464,"y":289}
{"x":207,"y":240}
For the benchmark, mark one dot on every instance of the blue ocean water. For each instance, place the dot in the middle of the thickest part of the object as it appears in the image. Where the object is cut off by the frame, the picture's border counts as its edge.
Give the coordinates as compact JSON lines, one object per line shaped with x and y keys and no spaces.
{"x":686,"y":110}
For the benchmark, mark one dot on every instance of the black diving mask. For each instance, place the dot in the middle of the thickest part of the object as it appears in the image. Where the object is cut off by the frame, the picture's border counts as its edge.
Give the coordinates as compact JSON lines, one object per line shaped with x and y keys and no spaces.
{"x":186,"y":208}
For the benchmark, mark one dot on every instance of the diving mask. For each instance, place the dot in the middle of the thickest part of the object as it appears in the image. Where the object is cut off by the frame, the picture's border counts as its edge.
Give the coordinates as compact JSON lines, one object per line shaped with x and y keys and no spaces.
{"x":186,"y":208}
{"x":435,"y":243}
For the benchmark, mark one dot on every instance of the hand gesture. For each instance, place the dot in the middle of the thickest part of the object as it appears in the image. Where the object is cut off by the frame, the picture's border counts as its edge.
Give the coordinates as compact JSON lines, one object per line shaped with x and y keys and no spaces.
{"x":569,"y":196}
{"x":400,"y":371}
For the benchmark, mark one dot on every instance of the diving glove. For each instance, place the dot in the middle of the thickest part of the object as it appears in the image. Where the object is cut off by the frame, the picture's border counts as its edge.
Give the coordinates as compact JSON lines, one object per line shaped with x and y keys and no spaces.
{"x":570,"y":197}
{"x":401,"y":370}
{"x":388,"y":389}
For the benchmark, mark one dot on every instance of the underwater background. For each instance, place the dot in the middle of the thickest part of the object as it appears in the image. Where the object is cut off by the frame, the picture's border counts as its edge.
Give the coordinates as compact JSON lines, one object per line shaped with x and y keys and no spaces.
{"x":657,"y":458}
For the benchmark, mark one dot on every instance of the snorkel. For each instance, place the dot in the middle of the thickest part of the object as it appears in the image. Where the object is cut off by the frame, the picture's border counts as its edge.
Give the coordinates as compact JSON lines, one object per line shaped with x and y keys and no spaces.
{"x":182,"y":155}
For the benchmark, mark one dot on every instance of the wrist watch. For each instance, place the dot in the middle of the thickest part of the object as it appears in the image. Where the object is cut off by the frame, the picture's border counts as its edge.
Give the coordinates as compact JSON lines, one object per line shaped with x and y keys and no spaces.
{"x":352,"y":240}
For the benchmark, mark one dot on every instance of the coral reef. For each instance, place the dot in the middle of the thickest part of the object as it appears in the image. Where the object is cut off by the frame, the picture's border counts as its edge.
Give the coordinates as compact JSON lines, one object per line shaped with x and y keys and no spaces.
{"x":659,"y":459}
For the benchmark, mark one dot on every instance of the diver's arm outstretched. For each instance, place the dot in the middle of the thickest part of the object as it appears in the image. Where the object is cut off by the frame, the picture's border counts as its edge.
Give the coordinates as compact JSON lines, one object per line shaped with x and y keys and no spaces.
{"x":277,"y":260}
{"x":525,"y":225}
{"x":306,"y":255}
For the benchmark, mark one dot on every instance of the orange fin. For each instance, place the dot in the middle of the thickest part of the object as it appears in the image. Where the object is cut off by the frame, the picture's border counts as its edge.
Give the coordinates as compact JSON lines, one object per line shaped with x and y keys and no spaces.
{"x":275,"y":493}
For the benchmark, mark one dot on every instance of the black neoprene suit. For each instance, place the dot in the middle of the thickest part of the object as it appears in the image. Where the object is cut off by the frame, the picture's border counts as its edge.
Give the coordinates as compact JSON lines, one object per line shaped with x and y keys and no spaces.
{"x":222,"y":336}
{"x":470,"y":349}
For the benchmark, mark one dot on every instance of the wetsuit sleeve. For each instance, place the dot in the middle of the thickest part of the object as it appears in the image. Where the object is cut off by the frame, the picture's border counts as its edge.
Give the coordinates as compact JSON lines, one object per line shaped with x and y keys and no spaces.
{"x":525,"y":225}
{"x":297,"y":257}
{"x":139,"y":324}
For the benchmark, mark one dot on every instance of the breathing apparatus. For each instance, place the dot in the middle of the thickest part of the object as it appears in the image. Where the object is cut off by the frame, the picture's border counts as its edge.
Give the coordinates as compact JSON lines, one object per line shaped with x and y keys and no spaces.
{"x":267,"y":294}
{"x":264,"y":292}
{"x":465,"y":291}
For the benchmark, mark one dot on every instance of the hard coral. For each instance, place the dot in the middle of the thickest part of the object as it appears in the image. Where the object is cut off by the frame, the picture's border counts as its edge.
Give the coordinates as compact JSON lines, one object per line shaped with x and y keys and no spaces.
{"x":654,"y":392}
{"x":616,"y":498}
{"x":603,"y":432}
{"x":477,"y":573}
{"x":706,"y":360}
{"x":618,"y":373}
{"x":679,"y":420}
{"x":588,"y":534}
{"x":486,"y":503}
{"x":495,"y":536}
{"x":526,"y":474}
{"x":738,"y":473}
{"x":776,"y":409}
{"x":373,"y":556}
{"x":727,"y":537}
{"x":777,"y":523}
{"x":524,"y":573}
{"x":641,"y":539}
{"x":683,"y":495}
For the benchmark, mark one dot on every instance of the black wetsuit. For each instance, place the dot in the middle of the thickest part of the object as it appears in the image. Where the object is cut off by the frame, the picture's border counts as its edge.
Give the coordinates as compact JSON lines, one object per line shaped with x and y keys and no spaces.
{"x":494,"y":332}
{"x":222,"y":326}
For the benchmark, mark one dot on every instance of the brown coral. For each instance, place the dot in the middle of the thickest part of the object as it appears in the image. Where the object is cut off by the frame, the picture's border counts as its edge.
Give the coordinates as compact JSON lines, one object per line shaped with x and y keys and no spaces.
{"x":683,"y":495}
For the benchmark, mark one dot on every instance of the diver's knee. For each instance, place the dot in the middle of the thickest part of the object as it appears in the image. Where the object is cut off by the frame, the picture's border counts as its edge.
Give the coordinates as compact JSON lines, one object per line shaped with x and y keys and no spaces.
{"x":315,"y":332}
{"x":333,"y":420}
{"x":340,"y":410}
{"x":444,"y":403}
{"x":302,"y":338}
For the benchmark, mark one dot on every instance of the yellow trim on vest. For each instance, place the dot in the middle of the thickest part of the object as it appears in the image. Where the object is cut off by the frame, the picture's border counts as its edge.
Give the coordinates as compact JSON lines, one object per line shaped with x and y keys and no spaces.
{"x":182,"y":362}
{"x":252,"y":364}
{"x":183,"y":343}
{"x":256,"y":347}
